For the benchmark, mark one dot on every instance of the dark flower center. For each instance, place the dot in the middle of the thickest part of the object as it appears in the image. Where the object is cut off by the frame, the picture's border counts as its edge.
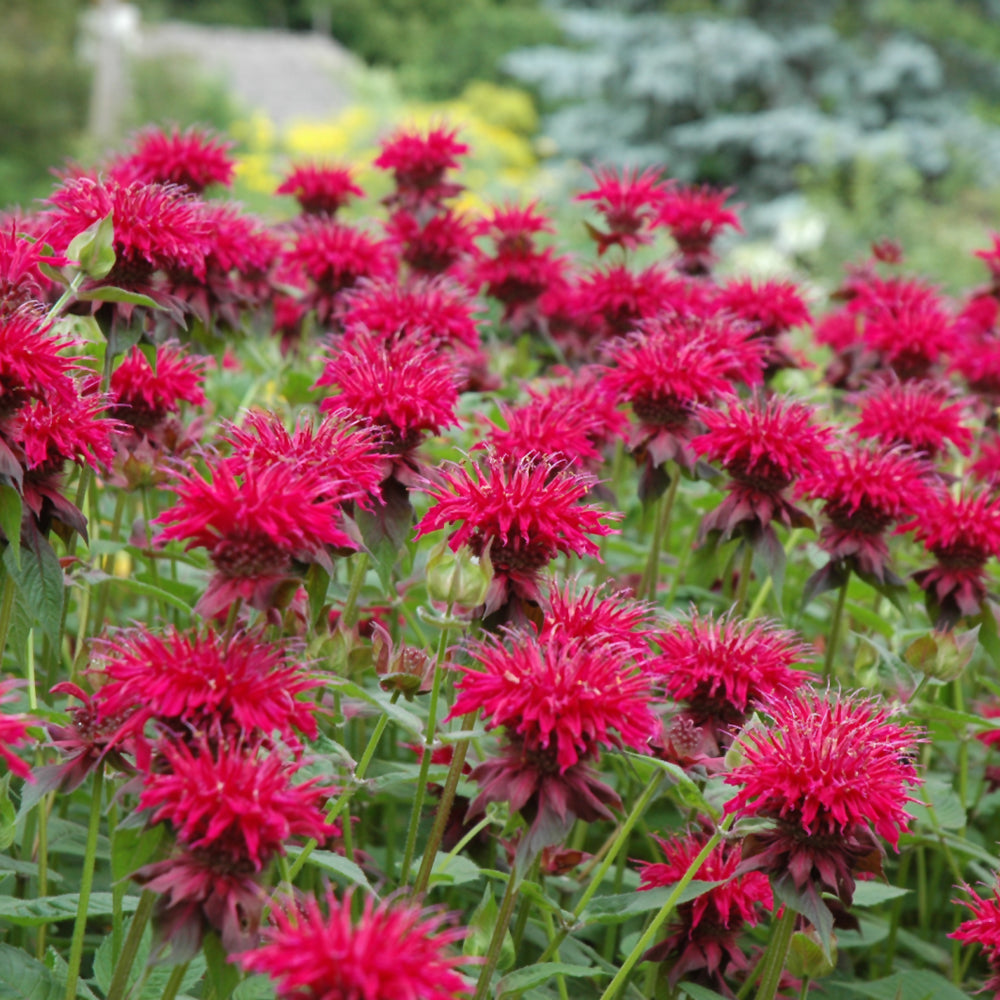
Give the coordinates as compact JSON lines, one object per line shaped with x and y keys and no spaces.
{"x":661,"y":411}
{"x":866,"y":519}
{"x":250,"y":557}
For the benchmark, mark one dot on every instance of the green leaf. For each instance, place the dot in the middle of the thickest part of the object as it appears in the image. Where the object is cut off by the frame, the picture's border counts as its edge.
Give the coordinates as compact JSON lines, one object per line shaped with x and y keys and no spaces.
{"x":410,"y":722}
{"x":536,"y":975}
{"x":94,"y":248}
{"x":457,"y":870}
{"x":684,"y":788}
{"x":132,"y":847}
{"x":223,"y":977}
{"x":66,"y":837}
{"x":696,"y":992}
{"x":51,"y":909}
{"x":109,"y":293}
{"x":149,"y":590}
{"x":873,"y":893}
{"x":25,"y":978}
{"x":8,"y":816}
{"x":335,"y":864}
{"x":913,"y":984}
{"x":39,"y":580}
{"x":156,"y":981}
{"x":948,"y":813}
{"x":11,"y":509}
{"x":254,"y":988}
{"x":619,"y":907}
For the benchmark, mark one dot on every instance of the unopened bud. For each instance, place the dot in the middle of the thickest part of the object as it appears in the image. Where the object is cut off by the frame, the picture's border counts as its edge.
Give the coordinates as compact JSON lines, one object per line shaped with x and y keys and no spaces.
{"x":458,"y":577}
{"x":806,"y":958}
{"x":942,"y":655}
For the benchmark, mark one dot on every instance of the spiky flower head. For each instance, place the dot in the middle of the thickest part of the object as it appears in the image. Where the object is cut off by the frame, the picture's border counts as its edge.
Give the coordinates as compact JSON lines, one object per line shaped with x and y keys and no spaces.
{"x":157,"y":227}
{"x":234,"y":801}
{"x":419,"y":164}
{"x":523,"y":515}
{"x":962,"y":533}
{"x":696,"y":217}
{"x":720,"y":668}
{"x":592,"y":615}
{"x":921,"y":414}
{"x":405,"y":388}
{"x":983,"y":929}
{"x":832,"y":775}
{"x":770,"y":307}
{"x":433,"y":246}
{"x":393,"y":950}
{"x":703,"y":938}
{"x":192,"y":159}
{"x":146,"y":394}
{"x":865,"y":490}
{"x":13,"y":729}
{"x":320,"y":188}
{"x":22,"y":283}
{"x":33,"y":362}
{"x":200,"y":685}
{"x":628,"y":199}
{"x":559,"y":695}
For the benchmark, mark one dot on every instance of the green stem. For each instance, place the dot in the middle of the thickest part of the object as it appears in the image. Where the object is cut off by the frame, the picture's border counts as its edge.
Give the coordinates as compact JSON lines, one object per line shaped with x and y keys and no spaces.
{"x":496,"y":942}
{"x":765,"y":588}
{"x":743,"y":585}
{"x":835,"y":628}
{"x":444,"y":808}
{"x":67,"y":296}
{"x":345,"y":796}
{"x":425,"y":759}
{"x":86,"y":883}
{"x":349,"y":614}
{"x":6,"y":611}
{"x":649,"y":935}
{"x":777,"y":953}
{"x":522,"y":914}
{"x":130,"y":948}
{"x":661,"y":533}
{"x":173,"y":986}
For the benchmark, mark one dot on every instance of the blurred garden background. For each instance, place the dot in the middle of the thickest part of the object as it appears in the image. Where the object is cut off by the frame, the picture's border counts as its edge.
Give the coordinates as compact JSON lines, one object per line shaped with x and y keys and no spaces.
{"x":838,"y":121}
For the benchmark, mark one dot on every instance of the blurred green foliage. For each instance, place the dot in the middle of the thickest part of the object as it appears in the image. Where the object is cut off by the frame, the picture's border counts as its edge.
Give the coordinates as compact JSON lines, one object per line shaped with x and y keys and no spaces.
{"x":43,"y":95}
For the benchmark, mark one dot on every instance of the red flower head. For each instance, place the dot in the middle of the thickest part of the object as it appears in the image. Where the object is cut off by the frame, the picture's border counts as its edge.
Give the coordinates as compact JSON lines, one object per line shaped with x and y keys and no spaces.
{"x":764,"y":446}
{"x":986,"y":468}
{"x":984,"y":929}
{"x":33,"y":364}
{"x":695,"y":217}
{"x":991,"y":258}
{"x":831,"y":774}
{"x":69,"y":429}
{"x":342,"y":451}
{"x":393,"y":951}
{"x":320,"y":189}
{"x":571,"y":421}
{"x":962,"y":533}
{"x":13,"y":730}
{"x":771,"y":308}
{"x":157,"y":227}
{"x":333,"y":258}
{"x":192,"y":159}
{"x":919,"y":414}
{"x":518,"y":271}
{"x":865,"y":491}
{"x":202,"y":686}
{"x":261,"y":526}
{"x":590,"y":616}
{"x":629,"y":201}
{"x":669,"y":368}
{"x":560,"y":701}
{"x":911,"y":340}
{"x":232,"y":810}
{"x":237,"y":803}
{"x":405,"y":388}
{"x":523,"y":515}
{"x":22,"y":283}
{"x":703,"y":938}
{"x":433,"y":246}
{"x":720,"y":669}
{"x":239,"y":259}
{"x":563,"y":696}
{"x":434,"y":311}
{"x":419,"y":164}
{"x":145,"y":395}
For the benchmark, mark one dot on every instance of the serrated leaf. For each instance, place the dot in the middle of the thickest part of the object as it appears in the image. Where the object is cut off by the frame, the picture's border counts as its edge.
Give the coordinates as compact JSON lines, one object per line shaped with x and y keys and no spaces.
{"x":536,"y":975}
{"x":25,"y":978}
{"x":696,"y":992}
{"x":410,"y":722}
{"x":11,"y":510}
{"x":335,"y":864}
{"x":39,"y":580}
{"x":51,"y":909}
{"x":948,"y":813}
{"x":619,"y":907}
{"x":109,"y":293}
{"x":132,"y":847}
{"x":873,"y":893}
{"x":155,"y":982}
{"x":910,"y":985}
{"x":456,"y":870}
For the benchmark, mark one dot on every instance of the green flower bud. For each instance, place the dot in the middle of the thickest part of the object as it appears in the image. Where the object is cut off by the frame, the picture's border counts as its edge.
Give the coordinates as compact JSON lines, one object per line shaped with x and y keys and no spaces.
{"x":458,"y":577}
{"x":942,"y":656}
